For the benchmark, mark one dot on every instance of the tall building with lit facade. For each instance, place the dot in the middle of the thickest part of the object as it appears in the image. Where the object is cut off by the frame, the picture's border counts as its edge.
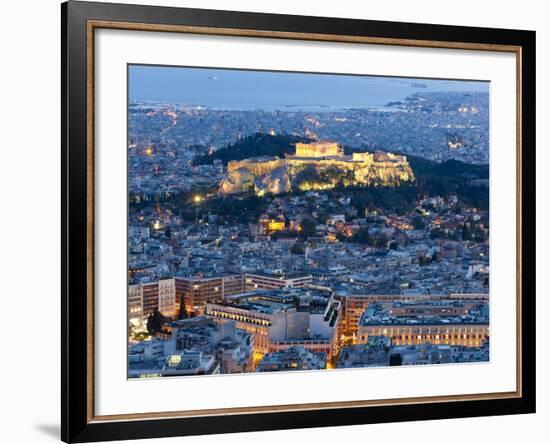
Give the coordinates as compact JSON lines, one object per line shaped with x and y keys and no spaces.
{"x":144,"y":298}
{"x":354,"y":305}
{"x":198,"y":291}
{"x":256,"y":322}
{"x":167,"y":297}
{"x":280,"y":319}
{"x":135,"y":304}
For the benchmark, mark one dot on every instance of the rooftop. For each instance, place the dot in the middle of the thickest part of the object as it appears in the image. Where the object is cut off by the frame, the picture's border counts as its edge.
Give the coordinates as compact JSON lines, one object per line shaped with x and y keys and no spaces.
{"x":427,"y":312}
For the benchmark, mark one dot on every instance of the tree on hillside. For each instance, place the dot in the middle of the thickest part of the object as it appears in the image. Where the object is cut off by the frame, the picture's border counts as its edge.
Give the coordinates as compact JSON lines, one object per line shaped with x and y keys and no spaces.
{"x":182,"y":313}
{"x":297,"y":249}
{"x":309,"y":227}
{"x":361,"y":236}
{"x":418,"y":222}
{"x":395,"y":360}
{"x":155,"y":322}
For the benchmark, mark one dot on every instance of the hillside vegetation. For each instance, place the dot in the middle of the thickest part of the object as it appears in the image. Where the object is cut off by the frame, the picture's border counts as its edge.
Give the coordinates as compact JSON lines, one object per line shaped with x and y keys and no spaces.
{"x":256,"y":145}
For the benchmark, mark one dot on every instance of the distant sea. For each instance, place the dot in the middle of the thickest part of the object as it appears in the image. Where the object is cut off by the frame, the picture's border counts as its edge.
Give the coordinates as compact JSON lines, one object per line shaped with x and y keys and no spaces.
{"x":271,"y":91}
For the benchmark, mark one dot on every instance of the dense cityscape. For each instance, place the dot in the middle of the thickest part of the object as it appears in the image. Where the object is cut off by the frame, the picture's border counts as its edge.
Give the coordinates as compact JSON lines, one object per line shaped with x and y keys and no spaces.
{"x":297,"y":239}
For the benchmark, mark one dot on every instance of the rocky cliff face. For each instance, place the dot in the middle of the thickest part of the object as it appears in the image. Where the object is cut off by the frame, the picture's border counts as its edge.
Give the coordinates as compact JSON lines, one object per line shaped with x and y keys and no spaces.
{"x":299,"y":174}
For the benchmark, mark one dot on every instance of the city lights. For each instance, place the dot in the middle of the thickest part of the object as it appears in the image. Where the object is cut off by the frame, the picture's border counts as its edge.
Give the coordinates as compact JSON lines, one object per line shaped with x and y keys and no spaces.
{"x":269,"y":237}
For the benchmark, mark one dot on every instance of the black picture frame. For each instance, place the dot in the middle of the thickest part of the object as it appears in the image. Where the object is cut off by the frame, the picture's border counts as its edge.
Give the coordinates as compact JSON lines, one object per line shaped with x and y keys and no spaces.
{"x":77,"y":318}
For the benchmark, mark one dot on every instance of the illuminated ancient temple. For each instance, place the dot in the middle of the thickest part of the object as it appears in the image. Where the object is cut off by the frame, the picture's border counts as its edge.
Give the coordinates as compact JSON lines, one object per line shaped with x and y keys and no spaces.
{"x":318,"y":149}
{"x":315,"y":166}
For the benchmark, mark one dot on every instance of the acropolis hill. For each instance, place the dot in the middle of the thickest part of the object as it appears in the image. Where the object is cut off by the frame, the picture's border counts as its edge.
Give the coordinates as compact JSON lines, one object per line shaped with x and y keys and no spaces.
{"x":315,"y":166}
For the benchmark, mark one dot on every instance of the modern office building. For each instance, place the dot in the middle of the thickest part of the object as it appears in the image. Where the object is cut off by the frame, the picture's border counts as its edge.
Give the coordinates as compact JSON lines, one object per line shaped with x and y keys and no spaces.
{"x":135,"y":304}
{"x":144,"y":298}
{"x":281,"y":319}
{"x":198,"y":291}
{"x":167,"y":297}
{"x":150,"y":298}
{"x":255,"y":320}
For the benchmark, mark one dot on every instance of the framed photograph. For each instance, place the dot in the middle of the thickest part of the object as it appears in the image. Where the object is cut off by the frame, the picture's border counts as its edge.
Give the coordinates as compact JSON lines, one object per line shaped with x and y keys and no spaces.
{"x":275,"y":221}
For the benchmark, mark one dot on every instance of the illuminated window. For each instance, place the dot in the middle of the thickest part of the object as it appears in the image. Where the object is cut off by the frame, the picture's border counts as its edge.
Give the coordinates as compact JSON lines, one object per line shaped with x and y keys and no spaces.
{"x":174,"y":359}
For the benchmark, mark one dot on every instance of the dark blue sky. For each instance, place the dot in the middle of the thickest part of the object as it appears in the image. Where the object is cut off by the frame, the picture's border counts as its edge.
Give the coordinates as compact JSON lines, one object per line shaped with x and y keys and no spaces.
{"x":239,"y":89}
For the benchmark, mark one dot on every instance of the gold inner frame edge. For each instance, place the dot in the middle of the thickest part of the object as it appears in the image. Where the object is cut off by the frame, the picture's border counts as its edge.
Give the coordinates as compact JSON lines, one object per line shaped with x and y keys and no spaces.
{"x":92,"y":25}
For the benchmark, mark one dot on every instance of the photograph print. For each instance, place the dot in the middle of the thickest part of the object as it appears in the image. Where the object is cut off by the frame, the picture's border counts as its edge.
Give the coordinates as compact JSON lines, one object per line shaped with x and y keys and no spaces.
{"x":291,"y":221}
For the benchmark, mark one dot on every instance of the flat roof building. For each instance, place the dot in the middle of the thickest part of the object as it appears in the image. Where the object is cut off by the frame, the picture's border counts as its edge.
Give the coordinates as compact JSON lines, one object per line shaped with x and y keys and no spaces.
{"x":453,"y":322}
{"x":265,"y":281}
{"x":293,"y":358}
{"x":280,"y":319}
{"x":375,"y":353}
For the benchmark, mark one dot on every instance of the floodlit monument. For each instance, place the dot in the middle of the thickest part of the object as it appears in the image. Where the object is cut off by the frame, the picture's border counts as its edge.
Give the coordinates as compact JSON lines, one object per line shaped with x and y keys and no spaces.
{"x":315,"y":166}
